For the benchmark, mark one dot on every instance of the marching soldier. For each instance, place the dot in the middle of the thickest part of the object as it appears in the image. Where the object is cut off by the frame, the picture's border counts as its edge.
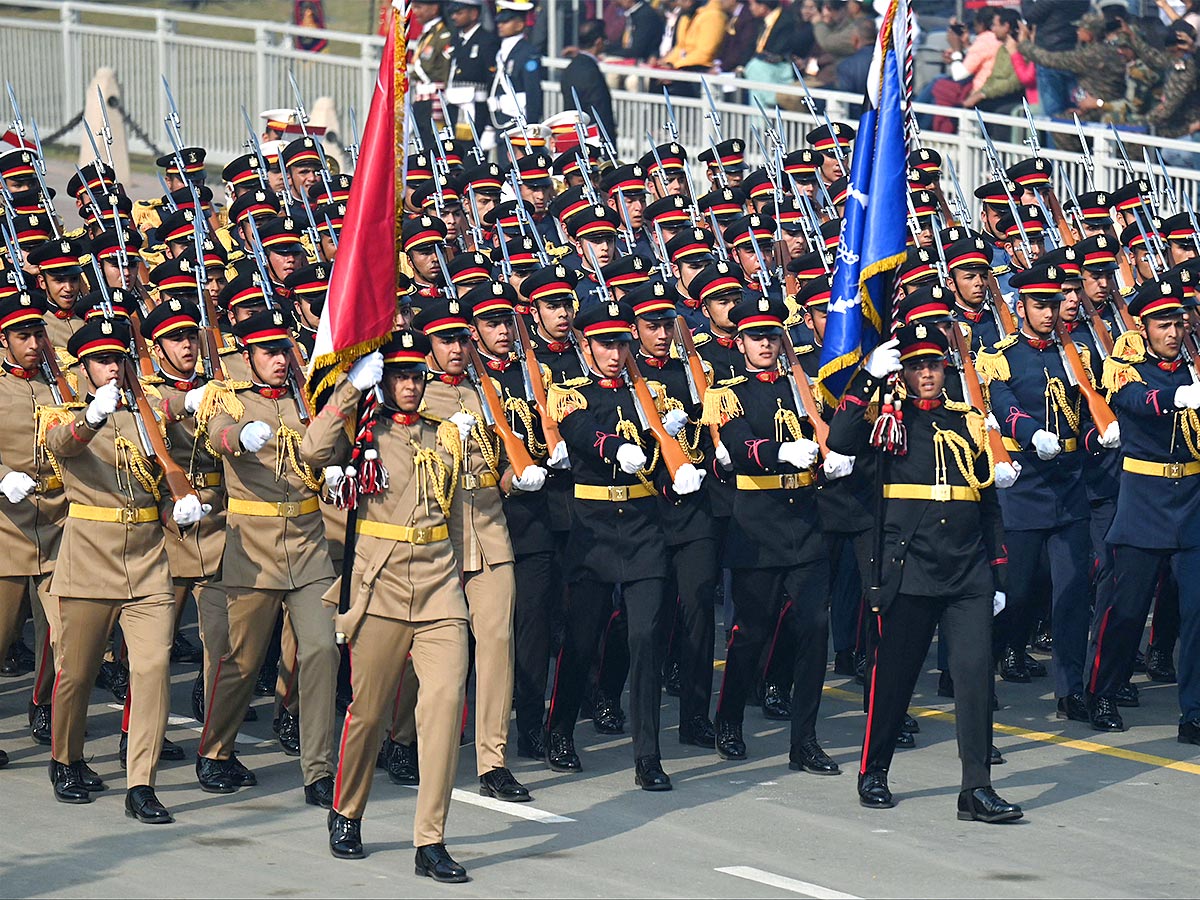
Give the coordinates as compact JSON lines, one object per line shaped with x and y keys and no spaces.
{"x":112,"y":567}
{"x":480,"y":537}
{"x":275,"y":554}
{"x":405,"y":595}
{"x":942,"y":526}
{"x":31,"y":520}
{"x":60,"y":275}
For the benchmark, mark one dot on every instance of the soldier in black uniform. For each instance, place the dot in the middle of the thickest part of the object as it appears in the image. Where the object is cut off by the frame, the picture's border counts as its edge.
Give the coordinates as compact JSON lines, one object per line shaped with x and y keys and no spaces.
{"x":774,"y":545}
{"x":616,"y":538}
{"x":942,"y":562}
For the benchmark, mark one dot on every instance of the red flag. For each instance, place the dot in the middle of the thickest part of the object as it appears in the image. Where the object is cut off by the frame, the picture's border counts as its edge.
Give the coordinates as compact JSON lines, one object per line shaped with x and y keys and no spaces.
{"x":359,"y":313}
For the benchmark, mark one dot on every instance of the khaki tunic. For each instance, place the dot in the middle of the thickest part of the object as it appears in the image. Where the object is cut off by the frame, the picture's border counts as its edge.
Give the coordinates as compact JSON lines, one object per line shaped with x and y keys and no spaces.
{"x":107,"y":560}
{"x":59,"y":328}
{"x":267,"y":552}
{"x":196,"y":554}
{"x":478,"y":528}
{"x":30,"y":531}
{"x":393,"y":579}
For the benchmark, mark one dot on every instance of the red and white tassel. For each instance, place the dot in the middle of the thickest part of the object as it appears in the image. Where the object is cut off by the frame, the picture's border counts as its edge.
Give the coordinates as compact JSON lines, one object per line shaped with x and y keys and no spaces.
{"x":889,"y":433}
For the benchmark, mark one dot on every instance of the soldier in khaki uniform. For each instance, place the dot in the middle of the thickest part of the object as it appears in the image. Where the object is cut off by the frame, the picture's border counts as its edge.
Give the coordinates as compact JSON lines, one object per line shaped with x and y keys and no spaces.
{"x":31,"y":520}
{"x":60,"y":275}
{"x":405,"y":596}
{"x":173,"y":331}
{"x":275,"y":553}
{"x":112,"y":567}
{"x":480,"y":539}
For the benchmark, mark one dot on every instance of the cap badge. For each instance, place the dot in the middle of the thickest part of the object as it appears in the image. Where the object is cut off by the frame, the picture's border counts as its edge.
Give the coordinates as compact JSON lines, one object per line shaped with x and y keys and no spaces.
{"x":764,"y":304}
{"x":454,"y":307}
{"x":921,"y":332}
{"x":106,"y":327}
{"x":614,"y":309}
{"x":406,"y":340}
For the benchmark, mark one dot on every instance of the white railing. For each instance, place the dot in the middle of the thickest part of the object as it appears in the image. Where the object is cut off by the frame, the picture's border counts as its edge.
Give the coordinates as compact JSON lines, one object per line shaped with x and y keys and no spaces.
{"x":50,"y":60}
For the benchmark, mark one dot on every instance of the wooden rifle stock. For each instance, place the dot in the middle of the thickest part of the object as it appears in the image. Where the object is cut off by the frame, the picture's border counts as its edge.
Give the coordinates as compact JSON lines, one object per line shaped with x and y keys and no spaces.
{"x":1007,"y":323}
{"x":672,"y":453}
{"x":50,"y":361}
{"x":696,"y":367}
{"x":1102,"y":415}
{"x":1099,"y":326}
{"x":800,"y":378}
{"x":1118,"y":303}
{"x":943,"y":204}
{"x":178,"y":482}
{"x":514,"y":447}
{"x":1060,"y":220}
{"x":549,"y":426}
{"x":1000,"y":453}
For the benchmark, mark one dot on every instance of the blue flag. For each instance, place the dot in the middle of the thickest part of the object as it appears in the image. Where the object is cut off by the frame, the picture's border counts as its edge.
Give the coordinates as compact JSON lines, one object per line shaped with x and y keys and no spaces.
{"x":874,"y":231}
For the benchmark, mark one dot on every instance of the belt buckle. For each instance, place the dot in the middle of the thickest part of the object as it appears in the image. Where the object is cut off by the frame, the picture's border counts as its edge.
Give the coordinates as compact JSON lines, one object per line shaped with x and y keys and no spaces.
{"x":1174,"y":469}
{"x":289,"y":509}
{"x":127,"y":515}
{"x":421,"y":535}
{"x":940,"y":492}
{"x":790,"y":481}
{"x":470,"y":482}
{"x":618,"y":493}
{"x":198,"y":480}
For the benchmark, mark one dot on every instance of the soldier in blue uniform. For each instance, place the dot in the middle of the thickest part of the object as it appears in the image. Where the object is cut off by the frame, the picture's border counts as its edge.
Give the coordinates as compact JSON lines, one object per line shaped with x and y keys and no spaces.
{"x":741,"y":235}
{"x":519,"y":61}
{"x":968,"y":256}
{"x":1154,"y":393}
{"x":1041,"y":415}
{"x":943,"y":561}
{"x":690,"y":252}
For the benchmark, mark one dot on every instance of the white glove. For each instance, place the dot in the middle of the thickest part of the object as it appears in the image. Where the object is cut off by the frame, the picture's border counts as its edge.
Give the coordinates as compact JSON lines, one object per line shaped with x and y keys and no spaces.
{"x":688,"y":479}
{"x":1006,"y":474}
{"x":999,"y":600}
{"x":630,"y":457}
{"x":334,"y":475}
{"x":366,"y":372}
{"x":192,"y":399}
{"x":884,"y":359}
{"x":837,"y":466}
{"x":1046,"y":444}
{"x":1187,"y":396}
{"x":465,"y":422}
{"x":254,"y":436}
{"x":16,"y":486}
{"x":674,"y":421}
{"x":104,"y":404}
{"x":559,"y":458}
{"x":530,"y":480}
{"x":992,"y":424}
{"x":801,"y":454}
{"x":1111,"y":439}
{"x":723,"y":457}
{"x":189,"y":510}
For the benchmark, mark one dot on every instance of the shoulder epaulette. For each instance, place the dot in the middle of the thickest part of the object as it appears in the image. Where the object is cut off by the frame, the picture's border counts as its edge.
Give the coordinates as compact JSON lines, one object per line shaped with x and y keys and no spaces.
{"x":721,"y":403}
{"x":151,"y":379}
{"x":701,"y":337}
{"x":803,"y":349}
{"x":1120,"y":365}
{"x":564,"y":398}
{"x":75,"y":233}
{"x":1000,"y":270}
{"x":992,"y":365}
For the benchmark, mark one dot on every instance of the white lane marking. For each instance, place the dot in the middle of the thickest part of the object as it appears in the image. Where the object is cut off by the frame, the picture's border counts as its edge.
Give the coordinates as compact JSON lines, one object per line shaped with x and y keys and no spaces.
{"x":796,"y":886}
{"x":520,"y":810}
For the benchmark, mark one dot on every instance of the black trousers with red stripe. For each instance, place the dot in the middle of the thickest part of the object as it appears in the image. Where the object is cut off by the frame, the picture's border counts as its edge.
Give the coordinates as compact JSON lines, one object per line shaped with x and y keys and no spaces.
{"x":904,"y":632}
{"x":537,"y":590}
{"x":589,"y":607}
{"x":759,"y":596}
{"x":1118,"y":626}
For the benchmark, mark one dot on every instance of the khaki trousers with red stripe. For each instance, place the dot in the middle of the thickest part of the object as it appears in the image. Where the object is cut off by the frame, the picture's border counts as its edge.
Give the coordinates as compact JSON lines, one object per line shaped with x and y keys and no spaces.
{"x":251,"y":620}
{"x":13,"y":591}
{"x":491,"y":598}
{"x":377,"y":658}
{"x":85,"y":625}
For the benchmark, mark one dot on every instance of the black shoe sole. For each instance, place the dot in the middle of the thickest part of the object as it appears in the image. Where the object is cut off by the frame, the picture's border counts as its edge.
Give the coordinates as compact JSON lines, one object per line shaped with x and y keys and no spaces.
{"x":730,"y":756}
{"x":288,"y":751}
{"x":74,"y":802}
{"x":608,"y":730}
{"x":653,"y":788}
{"x":1187,"y":740}
{"x":1162,"y":678}
{"x":990,"y":820}
{"x":1103,"y":729}
{"x":488,"y":792}
{"x":43,"y":741}
{"x":343,"y":855}
{"x":404,"y":782}
{"x":689,"y":741}
{"x":218,"y":789}
{"x":800,"y":767}
{"x":428,"y":874}
{"x":566,"y":770}
{"x":1064,"y":715}
{"x":1016,"y":679}
{"x":872,"y":804}
{"x":145,"y":820}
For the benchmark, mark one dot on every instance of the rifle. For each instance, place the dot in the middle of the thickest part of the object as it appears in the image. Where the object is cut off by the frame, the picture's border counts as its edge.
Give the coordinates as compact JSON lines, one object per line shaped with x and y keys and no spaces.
{"x":672,"y":453}
{"x":712,"y":115}
{"x":802,"y":394}
{"x":353,"y":147}
{"x":1102,"y":414}
{"x":295,"y":369}
{"x":533,"y":382}
{"x":820,"y":119}
{"x":970,"y":382}
{"x":693,"y":368}
{"x":1089,"y":166}
{"x":493,"y":412}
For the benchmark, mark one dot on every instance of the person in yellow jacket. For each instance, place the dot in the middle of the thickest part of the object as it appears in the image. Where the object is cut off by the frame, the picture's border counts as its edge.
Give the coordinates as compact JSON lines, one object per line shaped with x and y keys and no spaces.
{"x":699,"y":34}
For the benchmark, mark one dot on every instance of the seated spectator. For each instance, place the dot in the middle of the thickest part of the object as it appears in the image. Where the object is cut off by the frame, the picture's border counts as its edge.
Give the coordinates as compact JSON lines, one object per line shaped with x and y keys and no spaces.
{"x":699,"y":34}
{"x":852,"y":72}
{"x":642,"y":33}
{"x":970,"y":60}
{"x":999,"y":90}
{"x":740,"y":33}
{"x":834,"y":35}
{"x":773,"y":50}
